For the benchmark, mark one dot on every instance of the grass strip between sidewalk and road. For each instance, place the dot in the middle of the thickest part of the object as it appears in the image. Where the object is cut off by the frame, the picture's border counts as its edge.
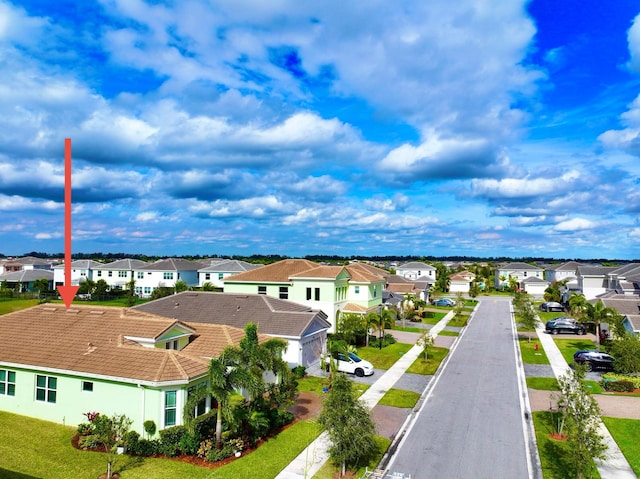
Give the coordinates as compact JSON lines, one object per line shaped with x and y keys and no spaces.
{"x":399,"y":398}
{"x":436,"y":355}
{"x":529,"y":353}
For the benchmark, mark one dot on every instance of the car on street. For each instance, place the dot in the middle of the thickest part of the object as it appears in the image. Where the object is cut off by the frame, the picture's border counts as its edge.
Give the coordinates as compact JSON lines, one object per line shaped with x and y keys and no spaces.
{"x":551,"y":306}
{"x":350,"y":363}
{"x":594,"y":359}
{"x":444,"y":302}
{"x":564,"y":324}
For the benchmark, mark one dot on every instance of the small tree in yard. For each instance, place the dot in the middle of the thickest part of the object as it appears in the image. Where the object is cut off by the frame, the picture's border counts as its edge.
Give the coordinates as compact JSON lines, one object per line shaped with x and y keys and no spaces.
{"x":425,"y":341}
{"x":526,"y":315}
{"x":626,"y":350}
{"x":459,"y":305}
{"x":581,"y":415}
{"x":349,"y":425}
{"x":108,"y":432}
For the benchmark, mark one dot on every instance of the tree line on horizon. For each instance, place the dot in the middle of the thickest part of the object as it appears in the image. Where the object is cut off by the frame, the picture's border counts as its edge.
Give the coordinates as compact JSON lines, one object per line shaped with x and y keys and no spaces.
{"x":272,"y":258}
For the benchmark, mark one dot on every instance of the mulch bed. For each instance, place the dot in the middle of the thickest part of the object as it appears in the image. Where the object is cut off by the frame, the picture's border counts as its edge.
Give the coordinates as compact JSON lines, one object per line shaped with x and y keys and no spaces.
{"x":307,"y":406}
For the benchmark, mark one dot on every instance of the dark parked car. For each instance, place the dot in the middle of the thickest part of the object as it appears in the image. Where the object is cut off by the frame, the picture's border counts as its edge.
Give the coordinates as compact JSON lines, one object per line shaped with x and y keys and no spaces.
{"x":594,"y":359}
{"x":444,"y":302}
{"x":564,"y":324}
{"x":551,"y":306}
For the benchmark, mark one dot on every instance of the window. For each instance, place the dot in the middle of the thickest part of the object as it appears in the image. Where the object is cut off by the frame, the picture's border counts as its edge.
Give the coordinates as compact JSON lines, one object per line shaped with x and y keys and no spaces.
{"x":220,"y":275}
{"x":308,"y":294}
{"x":166,"y":275}
{"x":357,"y":289}
{"x":140,"y":274}
{"x":207,"y":276}
{"x":284,"y":292}
{"x":46,"y":388}
{"x":122,"y":274}
{"x":83,"y":272}
{"x":317,"y":294}
{"x":262,"y":290}
{"x":170,"y":408}
{"x":7,"y":382}
{"x":147,"y":290}
{"x":99,"y":273}
{"x":138,"y":289}
{"x":375,"y":291}
{"x":87,"y":386}
{"x":173,"y":344}
{"x":110,"y":274}
{"x":201,"y":407}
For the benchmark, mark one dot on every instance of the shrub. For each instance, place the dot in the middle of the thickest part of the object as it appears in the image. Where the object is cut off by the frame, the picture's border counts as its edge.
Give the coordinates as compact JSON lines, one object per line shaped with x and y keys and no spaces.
{"x":146,"y":447}
{"x":227,"y":450}
{"x":622,"y":386}
{"x":170,"y":440}
{"x":299,"y":372}
{"x":205,"y":425}
{"x":149,"y":428}
{"x":189,"y":444}
{"x":205,"y":448}
{"x":85,"y":428}
{"x":130,"y":441}
{"x":622,"y":377}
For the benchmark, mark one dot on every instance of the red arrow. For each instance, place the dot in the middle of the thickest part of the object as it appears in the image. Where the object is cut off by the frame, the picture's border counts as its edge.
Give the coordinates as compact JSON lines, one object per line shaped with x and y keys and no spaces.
{"x":67,"y":292}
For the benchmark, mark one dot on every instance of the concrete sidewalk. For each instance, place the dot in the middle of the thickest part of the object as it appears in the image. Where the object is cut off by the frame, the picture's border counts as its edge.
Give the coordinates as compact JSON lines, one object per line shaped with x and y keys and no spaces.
{"x":316,"y":454}
{"x":615,"y":466}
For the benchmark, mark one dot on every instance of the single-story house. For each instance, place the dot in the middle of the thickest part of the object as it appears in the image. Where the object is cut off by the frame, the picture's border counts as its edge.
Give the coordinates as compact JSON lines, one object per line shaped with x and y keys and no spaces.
{"x":61,"y":363}
{"x":24,"y":280}
{"x":304,"y":329}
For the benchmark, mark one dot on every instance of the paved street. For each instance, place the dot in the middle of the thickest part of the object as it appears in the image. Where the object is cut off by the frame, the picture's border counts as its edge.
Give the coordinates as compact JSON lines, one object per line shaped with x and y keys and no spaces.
{"x":471,"y":424}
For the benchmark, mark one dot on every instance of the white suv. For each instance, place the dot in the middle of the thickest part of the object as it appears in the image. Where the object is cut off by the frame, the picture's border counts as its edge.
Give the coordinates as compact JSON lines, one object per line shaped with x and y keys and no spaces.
{"x":350,"y":363}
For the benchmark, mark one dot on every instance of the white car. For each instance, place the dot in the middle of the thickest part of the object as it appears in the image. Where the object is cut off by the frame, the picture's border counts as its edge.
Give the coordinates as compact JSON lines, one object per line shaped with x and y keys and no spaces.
{"x":350,"y":363}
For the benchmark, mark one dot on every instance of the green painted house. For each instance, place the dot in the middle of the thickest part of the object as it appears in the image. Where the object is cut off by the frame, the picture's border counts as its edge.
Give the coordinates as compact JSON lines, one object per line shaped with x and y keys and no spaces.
{"x":356,"y":287}
{"x":61,"y":363}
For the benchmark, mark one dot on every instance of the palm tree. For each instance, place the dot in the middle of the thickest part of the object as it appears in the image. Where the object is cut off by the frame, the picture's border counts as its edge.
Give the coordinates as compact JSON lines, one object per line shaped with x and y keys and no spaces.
{"x":225,"y":377}
{"x":578,"y":306}
{"x":597,"y":312}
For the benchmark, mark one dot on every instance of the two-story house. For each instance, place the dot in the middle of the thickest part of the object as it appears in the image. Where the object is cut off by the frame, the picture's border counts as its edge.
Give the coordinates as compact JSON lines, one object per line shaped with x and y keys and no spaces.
{"x":118,"y":273}
{"x":223,"y":268}
{"x":417,"y":269}
{"x":333,"y":289}
{"x":81,"y":270}
{"x":164,"y":274}
{"x":460,"y":282}
{"x":519,"y":271}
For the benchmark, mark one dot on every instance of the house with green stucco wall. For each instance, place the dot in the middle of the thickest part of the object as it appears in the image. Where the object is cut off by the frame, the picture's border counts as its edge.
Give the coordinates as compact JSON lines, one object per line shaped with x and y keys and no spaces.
{"x":62,"y":363}
{"x":356,"y":287}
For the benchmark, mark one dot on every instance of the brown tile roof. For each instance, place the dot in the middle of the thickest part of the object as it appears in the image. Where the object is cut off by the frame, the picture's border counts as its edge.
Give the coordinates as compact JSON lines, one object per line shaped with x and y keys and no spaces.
{"x":329,"y":272}
{"x":279,"y":272}
{"x":275,"y":317}
{"x":365,"y":268}
{"x":401,"y":288}
{"x":91,"y":340}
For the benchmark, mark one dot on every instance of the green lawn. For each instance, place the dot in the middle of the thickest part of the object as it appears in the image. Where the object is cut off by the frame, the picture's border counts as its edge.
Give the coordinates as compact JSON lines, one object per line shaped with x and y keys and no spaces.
{"x":626,"y":433}
{"x":459,"y":321}
{"x":529,"y":353}
{"x":30,"y":448}
{"x":437,"y":316}
{"x":386,"y":357}
{"x":312,"y":384}
{"x":429,"y":367}
{"x":551,"y":384}
{"x":444,"y":332}
{"x":568,"y":346}
{"x":329,"y":471}
{"x":399,"y":398}
{"x":9,"y":305}
{"x":543,"y":384}
{"x":554,"y":455}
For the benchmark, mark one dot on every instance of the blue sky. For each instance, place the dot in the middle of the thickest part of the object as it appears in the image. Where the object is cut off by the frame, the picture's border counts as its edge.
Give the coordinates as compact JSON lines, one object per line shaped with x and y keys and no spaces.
{"x":476,"y":127}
